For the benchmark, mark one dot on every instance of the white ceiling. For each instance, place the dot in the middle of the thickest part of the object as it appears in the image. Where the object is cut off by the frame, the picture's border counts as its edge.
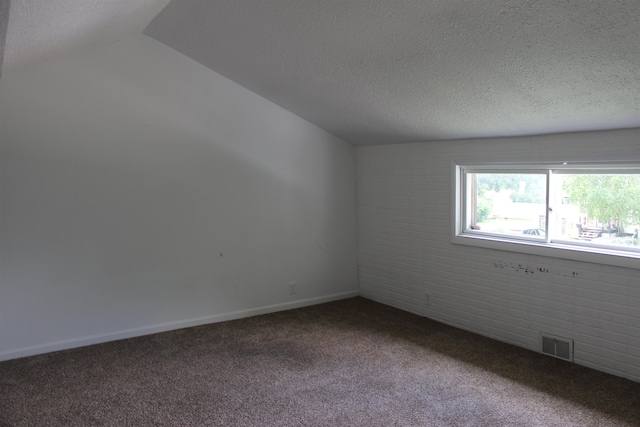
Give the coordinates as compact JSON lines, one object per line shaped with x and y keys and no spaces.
{"x":383,"y":71}
{"x":4,"y":21}
{"x":43,"y":29}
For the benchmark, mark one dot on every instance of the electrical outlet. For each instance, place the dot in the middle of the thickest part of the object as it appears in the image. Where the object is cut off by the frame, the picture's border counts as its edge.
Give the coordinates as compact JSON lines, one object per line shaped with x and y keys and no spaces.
{"x":427,"y":298}
{"x":293,"y":288}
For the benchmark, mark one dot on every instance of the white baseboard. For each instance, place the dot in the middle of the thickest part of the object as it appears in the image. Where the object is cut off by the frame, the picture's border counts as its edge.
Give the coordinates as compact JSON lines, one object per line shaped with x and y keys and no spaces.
{"x":164,"y":327}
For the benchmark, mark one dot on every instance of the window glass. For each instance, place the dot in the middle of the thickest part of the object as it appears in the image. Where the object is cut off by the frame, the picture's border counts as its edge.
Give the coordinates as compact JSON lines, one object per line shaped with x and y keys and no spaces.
{"x":593,"y":208}
{"x":512,"y":204}
{"x":598,"y":208}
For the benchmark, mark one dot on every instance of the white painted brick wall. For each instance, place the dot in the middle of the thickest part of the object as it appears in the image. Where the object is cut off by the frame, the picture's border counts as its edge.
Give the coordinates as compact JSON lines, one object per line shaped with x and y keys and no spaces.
{"x":404,"y":231}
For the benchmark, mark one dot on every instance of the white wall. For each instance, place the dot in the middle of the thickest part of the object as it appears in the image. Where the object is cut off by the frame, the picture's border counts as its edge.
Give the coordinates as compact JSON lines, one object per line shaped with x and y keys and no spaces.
{"x":405,"y":249}
{"x":126,"y":171}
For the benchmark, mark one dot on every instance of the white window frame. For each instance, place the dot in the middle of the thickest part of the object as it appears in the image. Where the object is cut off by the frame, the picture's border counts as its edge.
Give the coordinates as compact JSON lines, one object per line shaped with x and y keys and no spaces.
{"x":535,"y":246}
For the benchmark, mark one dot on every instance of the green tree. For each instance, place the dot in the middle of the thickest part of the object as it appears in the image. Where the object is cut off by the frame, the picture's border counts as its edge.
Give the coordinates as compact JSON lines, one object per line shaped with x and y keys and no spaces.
{"x":534,"y":186}
{"x":497,"y":182}
{"x":606,"y":198}
{"x":484,"y":209}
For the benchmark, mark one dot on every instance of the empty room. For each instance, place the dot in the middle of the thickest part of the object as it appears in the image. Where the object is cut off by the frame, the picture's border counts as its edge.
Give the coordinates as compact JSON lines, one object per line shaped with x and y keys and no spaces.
{"x":319,"y":213}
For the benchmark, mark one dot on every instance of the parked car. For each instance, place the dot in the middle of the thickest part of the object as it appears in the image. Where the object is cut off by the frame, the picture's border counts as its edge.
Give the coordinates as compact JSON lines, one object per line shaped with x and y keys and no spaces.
{"x":534,"y":232}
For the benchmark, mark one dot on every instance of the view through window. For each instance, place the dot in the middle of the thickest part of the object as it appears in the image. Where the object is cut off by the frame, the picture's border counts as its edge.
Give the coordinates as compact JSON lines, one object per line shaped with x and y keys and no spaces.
{"x":595,"y":208}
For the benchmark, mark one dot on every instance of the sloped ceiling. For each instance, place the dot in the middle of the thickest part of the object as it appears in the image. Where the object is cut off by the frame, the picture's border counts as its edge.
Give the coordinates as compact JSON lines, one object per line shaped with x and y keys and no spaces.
{"x":43,"y":29}
{"x":384,"y":71}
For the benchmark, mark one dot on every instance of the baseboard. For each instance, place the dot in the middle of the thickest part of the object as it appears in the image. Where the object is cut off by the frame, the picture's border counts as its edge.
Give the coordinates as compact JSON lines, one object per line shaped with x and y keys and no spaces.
{"x":164,"y":327}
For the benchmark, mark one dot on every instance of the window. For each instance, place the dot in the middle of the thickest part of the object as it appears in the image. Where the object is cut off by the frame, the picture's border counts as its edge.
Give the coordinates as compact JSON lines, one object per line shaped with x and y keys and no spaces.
{"x":555,"y":210}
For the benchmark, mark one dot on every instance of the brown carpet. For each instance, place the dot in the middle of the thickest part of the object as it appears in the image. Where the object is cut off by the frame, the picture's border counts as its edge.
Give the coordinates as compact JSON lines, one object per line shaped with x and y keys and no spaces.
{"x":347,"y":363}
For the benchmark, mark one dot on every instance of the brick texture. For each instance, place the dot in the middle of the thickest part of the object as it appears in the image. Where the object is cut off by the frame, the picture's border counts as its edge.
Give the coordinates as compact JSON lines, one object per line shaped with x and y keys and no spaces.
{"x":404,"y":237}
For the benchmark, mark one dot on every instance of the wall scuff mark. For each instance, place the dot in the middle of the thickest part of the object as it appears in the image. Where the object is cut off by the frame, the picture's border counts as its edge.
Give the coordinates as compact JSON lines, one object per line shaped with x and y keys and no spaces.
{"x":530,"y":270}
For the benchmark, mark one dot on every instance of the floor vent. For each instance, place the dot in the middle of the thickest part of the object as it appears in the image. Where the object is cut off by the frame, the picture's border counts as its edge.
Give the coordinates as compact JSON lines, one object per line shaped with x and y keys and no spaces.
{"x":562,"y":348}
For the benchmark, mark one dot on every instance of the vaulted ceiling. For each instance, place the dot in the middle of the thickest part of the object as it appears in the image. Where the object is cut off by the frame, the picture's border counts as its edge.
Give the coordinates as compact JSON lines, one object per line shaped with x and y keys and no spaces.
{"x":380,"y":71}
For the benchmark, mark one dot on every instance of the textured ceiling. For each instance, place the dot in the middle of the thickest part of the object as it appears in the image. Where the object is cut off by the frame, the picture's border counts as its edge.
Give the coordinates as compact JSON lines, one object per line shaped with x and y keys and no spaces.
{"x":383,"y":71}
{"x":42,"y":29}
{"x":4,"y":21}
{"x":379,"y":71}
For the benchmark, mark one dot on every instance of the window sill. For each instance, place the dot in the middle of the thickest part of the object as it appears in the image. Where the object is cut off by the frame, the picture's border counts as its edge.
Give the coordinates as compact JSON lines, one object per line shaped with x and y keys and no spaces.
{"x":553,"y":250}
